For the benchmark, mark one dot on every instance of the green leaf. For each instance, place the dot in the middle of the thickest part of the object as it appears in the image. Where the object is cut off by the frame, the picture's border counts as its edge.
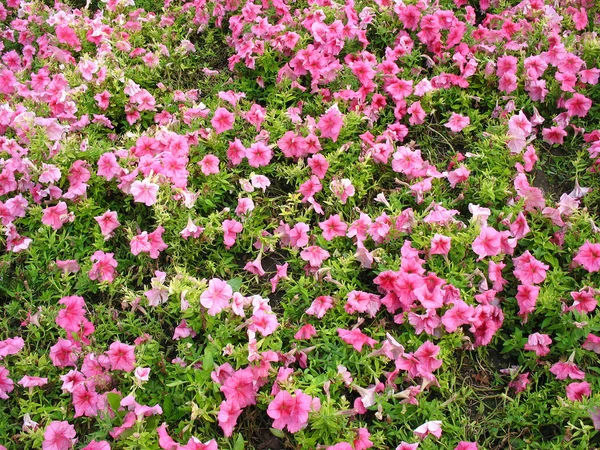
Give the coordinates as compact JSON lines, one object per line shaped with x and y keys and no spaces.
{"x":239,"y":443}
{"x":114,"y":400}
{"x":235,"y":283}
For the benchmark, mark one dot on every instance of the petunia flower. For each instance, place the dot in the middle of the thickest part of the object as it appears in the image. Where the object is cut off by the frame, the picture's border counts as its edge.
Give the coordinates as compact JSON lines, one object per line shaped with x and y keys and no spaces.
{"x":59,"y":436}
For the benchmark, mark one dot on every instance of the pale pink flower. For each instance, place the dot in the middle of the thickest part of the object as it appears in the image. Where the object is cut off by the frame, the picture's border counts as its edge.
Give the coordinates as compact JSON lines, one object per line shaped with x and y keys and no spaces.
{"x":144,"y":191}
{"x":592,"y":343}
{"x":457,"y":122}
{"x":433,"y":427}
{"x":314,"y":255}
{"x":440,"y":245}
{"x":216,"y":297}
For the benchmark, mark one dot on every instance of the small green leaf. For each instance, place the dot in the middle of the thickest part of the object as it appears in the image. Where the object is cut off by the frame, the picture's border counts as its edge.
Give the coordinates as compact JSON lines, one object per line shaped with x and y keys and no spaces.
{"x":235,"y":283}
{"x":280,"y":434}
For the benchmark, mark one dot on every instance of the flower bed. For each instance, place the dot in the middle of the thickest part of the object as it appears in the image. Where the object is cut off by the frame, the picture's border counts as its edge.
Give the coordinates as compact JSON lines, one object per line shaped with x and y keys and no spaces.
{"x":309,"y":225}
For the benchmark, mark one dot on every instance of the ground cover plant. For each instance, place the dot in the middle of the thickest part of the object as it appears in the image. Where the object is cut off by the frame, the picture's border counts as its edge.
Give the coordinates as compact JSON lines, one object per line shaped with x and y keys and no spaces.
{"x":299,"y":224}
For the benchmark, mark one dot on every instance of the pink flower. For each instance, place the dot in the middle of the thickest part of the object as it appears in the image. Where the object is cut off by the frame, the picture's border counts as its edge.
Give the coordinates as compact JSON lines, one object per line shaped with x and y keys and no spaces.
{"x":488,"y":243}
{"x":457,"y":122}
{"x":231,"y":228}
{"x":433,"y":427}
{"x":103,"y":267}
{"x":299,"y":235}
{"x":108,"y":223}
{"x":342,"y":189}
{"x":121,"y":356}
{"x":529,"y":270}
{"x":62,"y":354}
{"x":318,"y":165}
{"x":71,"y":317}
{"x":305,"y":332}
{"x":332,"y":227}
{"x":222,"y":120}
{"x":56,"y":216}
{"x":209,"y":165}
{"x":229,"y":412}
{"x":463,"y":445}
{"x":85,"y":401}
{"x":216,"y":297}
{"x":584,"y":301}
{"x":290,"y":412}
{"x":320,"y":306}
{"x":527,"y":295}
{"x":588,"y":256}
{"x":265,"y":322}
{"x":405,"y":445}
{"x":539,"y":343}
{"x":6,"y":384}
{"x":356,"y":338}
{"x":576,"y":391}
{"x":563,"y":370}
{"x":156,"y":242}
{"x":144,"y":191}
{"x":331,"y":124}
{"x":11,"y":346}
{"x":259,"y":154}
{"x":578,"y":105}
{"x":440,"y":245}
{"x":140,"y":243}
{"x":592,"y":342}
{"x":459,"y":175}
{"x":59,"y":436}
{"x":241,"y":388}
{"x":520,"y":383}
{"x":460,"y":314}
{"x":314,"y":255}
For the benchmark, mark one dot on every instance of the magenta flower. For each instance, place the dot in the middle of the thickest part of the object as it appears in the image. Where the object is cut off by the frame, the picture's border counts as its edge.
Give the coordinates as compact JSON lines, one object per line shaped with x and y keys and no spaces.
{"x":85,"y":401}
{"x":59,"y":436}
{"x":121,"y":356}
